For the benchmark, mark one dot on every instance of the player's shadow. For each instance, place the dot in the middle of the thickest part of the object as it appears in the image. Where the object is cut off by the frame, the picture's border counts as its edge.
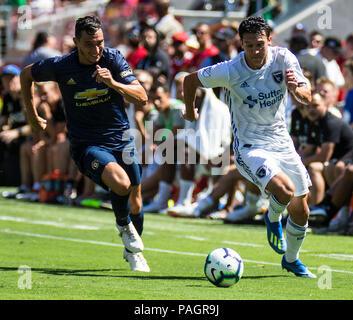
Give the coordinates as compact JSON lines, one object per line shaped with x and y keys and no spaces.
{"x":96,"y":273}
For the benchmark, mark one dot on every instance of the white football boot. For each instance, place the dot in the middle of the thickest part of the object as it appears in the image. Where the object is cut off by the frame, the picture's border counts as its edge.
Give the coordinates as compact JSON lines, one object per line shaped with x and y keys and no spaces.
{"x":137,"y":261}
{"x":131,"y":239}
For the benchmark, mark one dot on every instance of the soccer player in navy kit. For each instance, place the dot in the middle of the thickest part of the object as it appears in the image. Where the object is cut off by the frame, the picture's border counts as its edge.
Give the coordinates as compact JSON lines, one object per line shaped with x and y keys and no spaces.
{"x":94,"y":81}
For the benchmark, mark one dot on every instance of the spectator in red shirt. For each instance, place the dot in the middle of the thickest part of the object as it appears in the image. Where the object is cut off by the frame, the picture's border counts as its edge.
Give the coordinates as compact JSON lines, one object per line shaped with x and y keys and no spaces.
{"x":206,"y":47}
{"x":180,"y":54}
{"x":138,"y":52}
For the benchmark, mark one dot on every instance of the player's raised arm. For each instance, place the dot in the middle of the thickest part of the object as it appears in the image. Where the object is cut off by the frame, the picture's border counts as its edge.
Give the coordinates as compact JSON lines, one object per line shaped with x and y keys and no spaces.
{"x":36,"y":122}
{"x":132,"y":92}
{"x":191,"y":83}
{"x":301,"y":91}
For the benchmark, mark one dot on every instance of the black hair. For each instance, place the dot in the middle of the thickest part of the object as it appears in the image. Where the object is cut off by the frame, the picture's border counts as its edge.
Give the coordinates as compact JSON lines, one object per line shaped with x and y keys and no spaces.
{"x":40,"y":39}
{"x":89,"y":24}
{"x":254,"y":25}
{"x":159,"y":35}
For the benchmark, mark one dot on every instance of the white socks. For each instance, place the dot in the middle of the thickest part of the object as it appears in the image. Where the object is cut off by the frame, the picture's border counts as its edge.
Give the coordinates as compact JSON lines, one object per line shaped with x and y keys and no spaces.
{"x":295,"y":237}
{"x":185,"y":193}
{"x":275,"y":209}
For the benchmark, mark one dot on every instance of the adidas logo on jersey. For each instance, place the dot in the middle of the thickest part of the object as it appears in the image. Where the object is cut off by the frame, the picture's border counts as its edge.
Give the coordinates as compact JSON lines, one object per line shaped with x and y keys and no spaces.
{"x":244,"y":85}
{"x":71,"y":81}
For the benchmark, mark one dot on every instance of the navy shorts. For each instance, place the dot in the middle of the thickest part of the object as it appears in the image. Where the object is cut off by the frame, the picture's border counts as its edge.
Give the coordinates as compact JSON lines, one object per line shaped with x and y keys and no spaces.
{"x":91,"y":161}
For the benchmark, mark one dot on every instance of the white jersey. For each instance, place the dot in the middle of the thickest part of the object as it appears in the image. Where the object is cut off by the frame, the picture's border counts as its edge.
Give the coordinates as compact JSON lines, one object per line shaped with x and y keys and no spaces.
{"x":256,"y":98}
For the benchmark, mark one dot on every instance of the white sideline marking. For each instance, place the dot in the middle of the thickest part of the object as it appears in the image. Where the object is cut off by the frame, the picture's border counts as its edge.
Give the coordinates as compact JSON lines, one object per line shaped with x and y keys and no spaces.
{"x":49,"y":223}
{"x":194,"y":238}
{"x":148,"y":249}
{"x":84,"y":227}
{"x":336,"y":256}
{"x":243,"y":244}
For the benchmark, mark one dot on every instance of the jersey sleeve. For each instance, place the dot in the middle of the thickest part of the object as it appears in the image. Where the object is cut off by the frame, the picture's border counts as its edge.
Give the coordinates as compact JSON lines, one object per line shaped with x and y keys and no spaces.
{"x":121,"y":70}
{"x":291,"y":62}
{"x":214,"y":76}
{"x":44,"y":70}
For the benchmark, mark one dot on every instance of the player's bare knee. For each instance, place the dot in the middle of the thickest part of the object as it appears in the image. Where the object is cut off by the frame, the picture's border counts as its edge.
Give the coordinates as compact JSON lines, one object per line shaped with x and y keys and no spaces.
{"x":282,"y":189}
{"x":121,"y":188}
{"x":287,"y":192}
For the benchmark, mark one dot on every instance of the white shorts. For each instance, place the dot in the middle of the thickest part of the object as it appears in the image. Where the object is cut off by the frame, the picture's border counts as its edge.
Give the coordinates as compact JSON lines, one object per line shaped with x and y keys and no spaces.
{"x":259,"y":166}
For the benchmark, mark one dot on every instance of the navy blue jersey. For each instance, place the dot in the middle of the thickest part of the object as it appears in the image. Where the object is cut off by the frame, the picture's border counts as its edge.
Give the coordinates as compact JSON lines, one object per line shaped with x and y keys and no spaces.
{"x":95,"y":113}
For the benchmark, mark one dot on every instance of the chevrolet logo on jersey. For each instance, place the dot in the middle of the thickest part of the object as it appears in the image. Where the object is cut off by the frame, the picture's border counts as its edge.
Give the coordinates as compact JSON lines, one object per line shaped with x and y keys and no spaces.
{"x":90,"y":94}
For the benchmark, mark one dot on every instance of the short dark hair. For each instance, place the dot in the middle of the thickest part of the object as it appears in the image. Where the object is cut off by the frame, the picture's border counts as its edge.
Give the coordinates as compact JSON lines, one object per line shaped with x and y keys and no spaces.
{"x":254,"y":25}
{"x":90,"y":24}
{"x":40,"y":39}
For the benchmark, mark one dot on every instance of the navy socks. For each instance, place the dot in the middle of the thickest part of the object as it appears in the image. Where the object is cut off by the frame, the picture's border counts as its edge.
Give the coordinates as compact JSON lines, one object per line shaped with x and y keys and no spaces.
{"x":137,"y":220}
{"x":121,"y":208}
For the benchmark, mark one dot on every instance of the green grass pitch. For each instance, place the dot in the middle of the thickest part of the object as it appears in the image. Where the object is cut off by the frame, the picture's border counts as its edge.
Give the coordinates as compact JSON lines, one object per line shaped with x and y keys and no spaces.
{"x":76,"y":254}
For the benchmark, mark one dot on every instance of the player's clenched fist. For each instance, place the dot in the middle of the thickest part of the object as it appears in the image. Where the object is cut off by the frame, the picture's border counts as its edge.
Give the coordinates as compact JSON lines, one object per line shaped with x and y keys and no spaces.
{"x":192,"y":116}
{"x":103,"y":75}
{"x":291,"y":80}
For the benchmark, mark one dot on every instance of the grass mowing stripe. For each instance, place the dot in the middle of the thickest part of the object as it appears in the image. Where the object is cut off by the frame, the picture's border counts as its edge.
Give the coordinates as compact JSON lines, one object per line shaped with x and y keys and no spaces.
{"x":147,"y":249}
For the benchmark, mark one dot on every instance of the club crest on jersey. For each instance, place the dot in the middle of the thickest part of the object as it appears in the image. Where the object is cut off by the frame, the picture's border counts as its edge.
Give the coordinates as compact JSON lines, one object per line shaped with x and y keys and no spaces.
{"x":262,"y":171}
{"x":95,"y":164}
{"x":206,"y":72}
{"x":277,"y":76}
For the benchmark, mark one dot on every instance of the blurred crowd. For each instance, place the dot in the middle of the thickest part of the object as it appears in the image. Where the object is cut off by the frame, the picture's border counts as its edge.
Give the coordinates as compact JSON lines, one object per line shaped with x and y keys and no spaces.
{"x":161,"y":52}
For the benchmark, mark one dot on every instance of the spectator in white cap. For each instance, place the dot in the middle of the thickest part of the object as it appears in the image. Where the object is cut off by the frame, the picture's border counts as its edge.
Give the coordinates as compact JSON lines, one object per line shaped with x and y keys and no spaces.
{"x":330,"y":52}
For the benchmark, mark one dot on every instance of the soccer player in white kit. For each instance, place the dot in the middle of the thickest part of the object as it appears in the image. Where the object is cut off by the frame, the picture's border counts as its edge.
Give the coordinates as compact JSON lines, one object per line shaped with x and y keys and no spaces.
{"x":256,"y":86}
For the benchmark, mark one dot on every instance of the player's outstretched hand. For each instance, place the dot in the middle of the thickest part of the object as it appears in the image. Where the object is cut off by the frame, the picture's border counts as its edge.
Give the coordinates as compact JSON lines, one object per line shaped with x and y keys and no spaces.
{"x":103,"y":75}
{"x":291,"y":80}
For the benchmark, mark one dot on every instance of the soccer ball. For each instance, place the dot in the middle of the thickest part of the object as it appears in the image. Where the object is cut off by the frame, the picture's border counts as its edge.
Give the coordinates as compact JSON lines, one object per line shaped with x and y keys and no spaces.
{"x":223,"y":267}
